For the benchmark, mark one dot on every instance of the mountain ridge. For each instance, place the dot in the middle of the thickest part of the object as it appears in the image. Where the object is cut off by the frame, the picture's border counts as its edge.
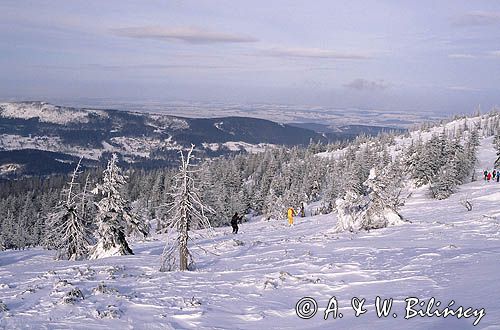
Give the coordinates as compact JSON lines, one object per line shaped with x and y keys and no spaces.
{"x":142,"y":139}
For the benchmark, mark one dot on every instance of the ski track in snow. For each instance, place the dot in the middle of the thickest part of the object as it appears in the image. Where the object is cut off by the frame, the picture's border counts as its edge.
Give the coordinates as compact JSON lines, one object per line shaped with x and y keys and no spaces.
{"x":258,"y":275}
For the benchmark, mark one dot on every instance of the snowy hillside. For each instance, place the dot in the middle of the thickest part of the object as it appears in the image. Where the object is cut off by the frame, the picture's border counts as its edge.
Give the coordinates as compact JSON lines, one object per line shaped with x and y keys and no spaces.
{"x":47,"y":113}
{"x":253,"y":280}
{"x":141,"y":138}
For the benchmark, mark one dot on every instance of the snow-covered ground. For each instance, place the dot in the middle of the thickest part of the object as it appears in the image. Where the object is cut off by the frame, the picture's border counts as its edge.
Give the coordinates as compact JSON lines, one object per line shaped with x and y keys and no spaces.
{"x":238,"y":146}
{"x":129,"y":147}
{"x":402,"y":142}
{"x":46,"y":112}
{"x":253,"y":280}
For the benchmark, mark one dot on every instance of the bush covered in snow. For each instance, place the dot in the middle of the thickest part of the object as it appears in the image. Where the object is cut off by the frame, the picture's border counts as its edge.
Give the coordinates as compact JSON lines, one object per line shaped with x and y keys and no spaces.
{"x":376,"y":209}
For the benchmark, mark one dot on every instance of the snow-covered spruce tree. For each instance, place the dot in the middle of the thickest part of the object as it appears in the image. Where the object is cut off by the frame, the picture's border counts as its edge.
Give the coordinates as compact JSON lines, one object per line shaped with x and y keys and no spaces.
{"x":9,"y":230}
{"x":443,"y":162}
{"x":459,"y":163}
{"x":353,"y":178}
{"x":188,"y":214}
{"x":384,"y":187}
{"x":66,"y":228}
{"x":275,"y":206}
{"x":377,"y":208}
{"x":332,"y":188}
{"x":444,"y":183}
{"x":496,"y":145}
{"x":432,"y":156}
{"x":471,"y":150}
{"x":350,"y":211}
{"x":114,"y":215}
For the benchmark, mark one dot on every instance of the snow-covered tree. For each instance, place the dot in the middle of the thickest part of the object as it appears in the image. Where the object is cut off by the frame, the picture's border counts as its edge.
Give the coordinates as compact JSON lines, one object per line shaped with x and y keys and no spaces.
{"x":377,"y":208}
{"x":384,"y":187}
{"x":471,"y":150}
{"x":457,"y":164}
{"x":275,"y":206}
{"x":444,"y":162}
{"x":188,"y":214}
{"x":496,"y":145}
{"x":350,"y":211}
{"x":66,"y":228}
{"x":444,"y":183}
{"x":114,"y":215}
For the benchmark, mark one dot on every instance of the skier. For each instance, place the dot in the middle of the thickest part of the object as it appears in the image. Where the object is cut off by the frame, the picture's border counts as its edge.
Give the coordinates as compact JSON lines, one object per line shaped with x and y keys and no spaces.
{"x":494,"y":173}
{"x":485,"y":174}
{"x":489,"y":177}
{"x":302,"y":210}
{"x":498,"y":178}
{"x":234,"y":222}
{"x":291,"y":212}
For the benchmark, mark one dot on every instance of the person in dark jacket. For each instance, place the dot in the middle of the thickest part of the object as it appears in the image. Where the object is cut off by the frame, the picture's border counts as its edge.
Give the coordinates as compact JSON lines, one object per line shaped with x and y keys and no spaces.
{"x":234,"y":222}
{"x":485,"y":175}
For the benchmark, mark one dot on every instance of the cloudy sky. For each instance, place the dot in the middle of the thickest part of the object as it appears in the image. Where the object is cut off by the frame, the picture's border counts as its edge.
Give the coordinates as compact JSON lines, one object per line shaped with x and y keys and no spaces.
{"x":396,"y":55}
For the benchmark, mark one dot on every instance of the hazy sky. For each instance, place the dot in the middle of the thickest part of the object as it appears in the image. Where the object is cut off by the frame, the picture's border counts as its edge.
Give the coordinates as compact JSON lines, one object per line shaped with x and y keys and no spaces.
{"x":397,"y":55}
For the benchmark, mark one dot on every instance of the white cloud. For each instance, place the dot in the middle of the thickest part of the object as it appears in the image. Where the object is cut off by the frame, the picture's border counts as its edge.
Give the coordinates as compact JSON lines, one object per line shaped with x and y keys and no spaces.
{"x":495,"y":53}
{"x":462,"y":56}
{"x":463,"y":89}
{"x":367,"y":85}
{"x":478,"y":18}
{"x":192,"y":35}
{"x":313,"y":53}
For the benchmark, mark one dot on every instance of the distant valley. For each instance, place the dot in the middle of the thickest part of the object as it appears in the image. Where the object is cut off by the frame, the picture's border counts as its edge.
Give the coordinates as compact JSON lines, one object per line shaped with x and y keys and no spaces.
{"x":38,"y":138}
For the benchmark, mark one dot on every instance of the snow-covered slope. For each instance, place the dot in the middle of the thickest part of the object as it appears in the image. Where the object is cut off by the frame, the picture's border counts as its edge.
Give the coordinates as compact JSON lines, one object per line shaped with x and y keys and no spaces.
{"x":401,"y":142}
{"x":253,"y":280}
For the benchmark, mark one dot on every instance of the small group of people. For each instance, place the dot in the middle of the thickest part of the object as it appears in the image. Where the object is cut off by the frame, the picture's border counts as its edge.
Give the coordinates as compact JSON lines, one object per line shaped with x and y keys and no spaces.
{"x":491,"y":176}
{"x":290,"y":214}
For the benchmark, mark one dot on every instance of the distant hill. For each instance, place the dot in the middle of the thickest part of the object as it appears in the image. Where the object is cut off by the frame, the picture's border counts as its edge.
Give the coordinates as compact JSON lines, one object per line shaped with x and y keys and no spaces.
{"x":348,"y":132}
{"x":49,"y":137}
{"x":41,"y":138}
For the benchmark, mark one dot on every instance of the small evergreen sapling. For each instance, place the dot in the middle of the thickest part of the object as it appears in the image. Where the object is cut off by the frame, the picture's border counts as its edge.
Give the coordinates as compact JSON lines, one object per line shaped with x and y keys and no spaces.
{"x":114,"y":215}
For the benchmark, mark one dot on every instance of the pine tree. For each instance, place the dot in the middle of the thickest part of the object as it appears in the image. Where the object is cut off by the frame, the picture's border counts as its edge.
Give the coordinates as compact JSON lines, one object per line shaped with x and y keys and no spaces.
{"x":384,"y":188}
{"x":444,"y":183}
{"x":275,"y":206}
{"x":9,"y":231}
{"x":350,"y":210}
{"x":188,"y":214}
{"x":496,"y":145}
{"x":471,"y":150}
{"x":377,"y":208}
{"x":66,"y":228}
{"x":114,"y":215}
{"x":25,"y":220}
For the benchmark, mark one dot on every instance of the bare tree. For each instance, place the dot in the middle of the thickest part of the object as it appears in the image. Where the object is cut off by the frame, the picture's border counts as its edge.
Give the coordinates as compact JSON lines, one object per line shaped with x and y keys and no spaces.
{"x":66,"y":228}
{"x":187,"y":214}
